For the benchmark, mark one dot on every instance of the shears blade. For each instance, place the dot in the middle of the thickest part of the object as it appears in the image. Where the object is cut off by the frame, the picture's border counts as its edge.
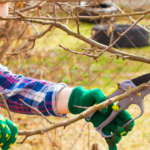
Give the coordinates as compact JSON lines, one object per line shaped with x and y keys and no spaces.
{"x":141,"y":79}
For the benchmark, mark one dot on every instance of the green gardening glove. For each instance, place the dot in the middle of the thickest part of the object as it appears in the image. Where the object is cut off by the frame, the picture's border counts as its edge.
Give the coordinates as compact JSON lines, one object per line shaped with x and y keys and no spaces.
{"x":82,"y":97}
{"x":8,"y":133}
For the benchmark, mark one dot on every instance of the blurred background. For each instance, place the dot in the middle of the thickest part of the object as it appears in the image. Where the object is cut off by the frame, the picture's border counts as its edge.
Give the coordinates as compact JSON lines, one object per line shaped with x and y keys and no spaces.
{"x":47,"y":61}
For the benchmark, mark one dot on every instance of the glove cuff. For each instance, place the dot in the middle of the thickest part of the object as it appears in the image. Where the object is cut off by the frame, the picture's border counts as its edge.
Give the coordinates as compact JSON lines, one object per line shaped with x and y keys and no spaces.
{"x":75,"y":99}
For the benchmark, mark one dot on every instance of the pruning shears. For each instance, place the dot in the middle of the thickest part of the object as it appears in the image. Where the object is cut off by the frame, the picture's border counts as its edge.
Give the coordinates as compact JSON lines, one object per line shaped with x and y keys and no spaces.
{"x":125,"y":103}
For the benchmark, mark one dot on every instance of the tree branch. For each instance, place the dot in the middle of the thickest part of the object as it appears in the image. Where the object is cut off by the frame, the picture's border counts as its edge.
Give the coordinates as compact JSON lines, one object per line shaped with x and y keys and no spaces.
{"x":36,"y":111}
{"x":7,"y":108}
{"x":132,"y":20}
{"x":83,"y":38}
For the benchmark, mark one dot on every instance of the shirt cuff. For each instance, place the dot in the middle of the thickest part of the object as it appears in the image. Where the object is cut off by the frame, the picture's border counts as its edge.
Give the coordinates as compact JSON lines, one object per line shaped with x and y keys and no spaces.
{"x":50,"y":100}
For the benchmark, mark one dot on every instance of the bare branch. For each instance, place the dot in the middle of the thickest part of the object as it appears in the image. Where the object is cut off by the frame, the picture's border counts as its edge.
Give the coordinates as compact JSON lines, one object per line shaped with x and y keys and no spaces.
{"x":132,"y":20}
{"x":22,"y":140}
{"x":16,"y":53}
{"x":39,"y":5}
{"x":36,"y":111}
{"x":85,"y":39}
{"x":120,"y":87}
{"x":120,"y":36}
{"x":67,"y":49}
{"x":88,"y":17}
{"x":112,"y":28}
{"x":78,"y":136}
{"x":6,"y":106}
{"x":52,"y":143}
{"x":81,"y":107}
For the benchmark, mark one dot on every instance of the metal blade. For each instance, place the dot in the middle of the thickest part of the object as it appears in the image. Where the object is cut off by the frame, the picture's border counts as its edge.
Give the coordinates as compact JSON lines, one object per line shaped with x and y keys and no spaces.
{"x":141,"y":79}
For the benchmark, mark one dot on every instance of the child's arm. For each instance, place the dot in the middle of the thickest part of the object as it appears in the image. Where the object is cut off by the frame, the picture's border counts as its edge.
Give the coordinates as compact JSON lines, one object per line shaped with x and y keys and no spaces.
{"x":3,"y":11}
{"x":40,"y":94}
{"x":62,"y":100}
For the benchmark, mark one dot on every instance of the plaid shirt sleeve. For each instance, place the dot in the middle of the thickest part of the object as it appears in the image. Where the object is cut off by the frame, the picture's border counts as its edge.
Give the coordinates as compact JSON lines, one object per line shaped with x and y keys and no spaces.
{"x":40,"y":94}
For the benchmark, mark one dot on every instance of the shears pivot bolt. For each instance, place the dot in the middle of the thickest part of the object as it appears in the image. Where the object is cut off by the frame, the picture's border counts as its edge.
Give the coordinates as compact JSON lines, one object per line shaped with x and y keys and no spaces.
{"x":131,"y":99}
{"x":138,"y":94}
{"x":129,"y":87}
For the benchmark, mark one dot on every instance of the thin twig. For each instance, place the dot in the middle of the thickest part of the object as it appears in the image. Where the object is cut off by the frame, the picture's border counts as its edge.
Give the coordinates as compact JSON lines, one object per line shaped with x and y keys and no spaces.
{"x":23,"y":140}
{"x":129,"y":15}
{"x":120,"y":87}
{"x":19,"y":13}
{"x":89,"y":17}
{"x":60,"y":6}
{"x":67,"y":49}
{"x":6,"y":106}
{"x":77,"y":20}
{"x":80,"y":107}
{"x":112,"y":28}
{"x":54,"y":10}
{"x":30,"y":7}
{"x":53,"y":143}
{"x":22,"y":15}
{"x":79,"y":136}
{"x":36,"y":111}
{"x":16,"y":53}
{"x":118,"y":55}
{"x":120,"y":36}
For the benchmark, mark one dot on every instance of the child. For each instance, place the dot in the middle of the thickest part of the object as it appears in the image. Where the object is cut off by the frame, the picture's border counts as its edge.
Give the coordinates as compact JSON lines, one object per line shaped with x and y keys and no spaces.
{"x":56,"y":99}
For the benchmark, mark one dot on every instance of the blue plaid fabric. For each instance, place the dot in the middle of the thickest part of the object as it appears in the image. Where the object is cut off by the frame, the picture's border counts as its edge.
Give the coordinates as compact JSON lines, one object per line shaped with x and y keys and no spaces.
{"x":40,"y":94}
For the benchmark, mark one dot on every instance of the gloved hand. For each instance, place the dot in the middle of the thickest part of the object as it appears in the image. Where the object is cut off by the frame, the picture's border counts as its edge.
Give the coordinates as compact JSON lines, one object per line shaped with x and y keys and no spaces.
{"x":8,"y":133}
{"x":82,"y":97}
